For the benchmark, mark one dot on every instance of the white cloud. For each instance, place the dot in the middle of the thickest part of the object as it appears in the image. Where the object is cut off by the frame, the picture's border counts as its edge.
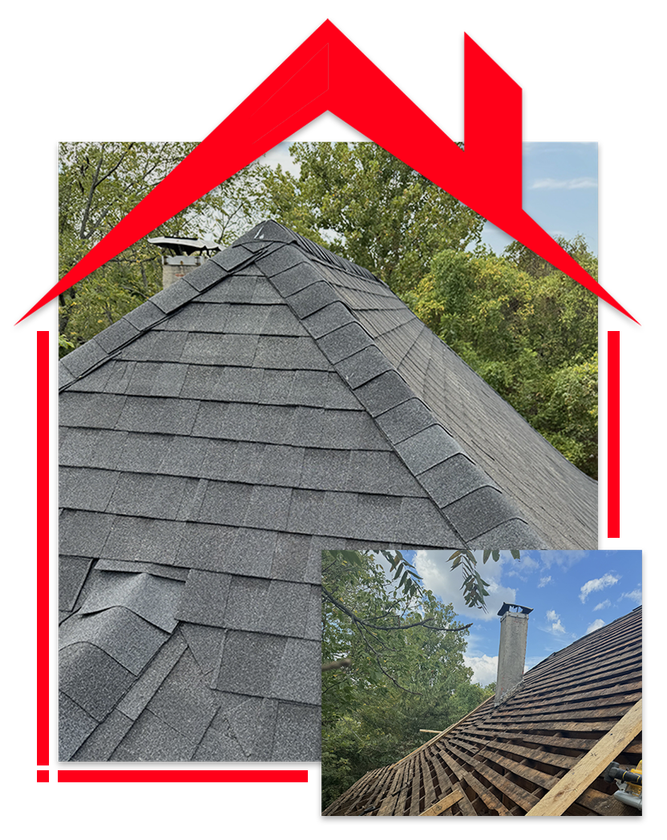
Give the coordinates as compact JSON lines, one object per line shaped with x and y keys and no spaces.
{"x":527,"y":562}
{"x":521,"y":568}
{"x":594,"y":626}
{"x":485,"y":668}
{"x":597,"y":584}
{"x":564,"y":184}
{"x":635,"y":595}
{"x":602,"y":605}
{"x":544,"y":581}
{"x":556,"y":624}
{"x":562,"y":559}
{"x":436,"y":571}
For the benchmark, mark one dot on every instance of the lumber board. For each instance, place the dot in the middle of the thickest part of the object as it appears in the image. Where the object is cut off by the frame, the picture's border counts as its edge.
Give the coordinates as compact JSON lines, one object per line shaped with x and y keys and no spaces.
{"x":553,"y":759}
{"x":443,"y":805}
{"x":588,"y":768}
{"x":399,"y":783}
{"x":443,"y":733}
{"x":488,"y":797}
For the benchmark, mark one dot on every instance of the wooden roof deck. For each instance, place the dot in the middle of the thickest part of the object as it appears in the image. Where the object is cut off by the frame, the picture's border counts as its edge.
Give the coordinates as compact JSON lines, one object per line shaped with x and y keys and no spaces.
{"x":574,"y":713}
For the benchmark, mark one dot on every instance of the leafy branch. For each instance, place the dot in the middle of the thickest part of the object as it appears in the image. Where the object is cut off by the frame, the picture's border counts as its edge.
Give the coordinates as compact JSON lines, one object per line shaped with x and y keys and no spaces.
{"x":473,"y":586}
{"x":393,"y":599}
{"x":427,"y":622}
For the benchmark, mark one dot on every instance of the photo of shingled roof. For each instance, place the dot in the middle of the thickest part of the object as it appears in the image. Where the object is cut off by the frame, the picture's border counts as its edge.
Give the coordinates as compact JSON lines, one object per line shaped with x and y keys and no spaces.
{"x":543,"y":752}
{"x":276,"y":401}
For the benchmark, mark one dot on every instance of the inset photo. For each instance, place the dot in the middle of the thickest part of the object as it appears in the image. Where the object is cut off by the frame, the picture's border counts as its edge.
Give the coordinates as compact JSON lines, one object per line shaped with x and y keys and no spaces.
{"x":481,"y":683}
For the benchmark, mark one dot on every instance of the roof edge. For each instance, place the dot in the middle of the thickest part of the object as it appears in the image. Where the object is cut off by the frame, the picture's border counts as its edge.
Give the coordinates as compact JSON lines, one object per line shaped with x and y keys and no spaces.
{"x":103,"y":346}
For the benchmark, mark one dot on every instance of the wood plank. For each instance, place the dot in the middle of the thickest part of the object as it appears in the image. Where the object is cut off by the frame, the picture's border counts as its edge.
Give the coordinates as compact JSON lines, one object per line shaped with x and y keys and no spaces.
{"x":401,"y":790}
{"x":488,"y":798}
{"x":466,"y":806}
{"x":524,"y":771}
{"x":516,"y":794}
{"x":440,"y":771}
{"x":443,"y":805}
{"x":443,"y":733}
{"x":563,"y":794}
{"x":505,"y":786}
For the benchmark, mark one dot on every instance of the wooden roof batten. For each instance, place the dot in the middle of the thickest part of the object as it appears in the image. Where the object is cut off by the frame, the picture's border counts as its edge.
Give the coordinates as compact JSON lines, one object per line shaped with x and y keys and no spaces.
{"x":518,"y":760}
{"x":590,"y":766}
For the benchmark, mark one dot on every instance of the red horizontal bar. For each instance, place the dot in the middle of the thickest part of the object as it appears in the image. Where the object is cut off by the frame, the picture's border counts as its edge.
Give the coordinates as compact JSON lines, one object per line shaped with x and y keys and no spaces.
{"x":182,"y":776}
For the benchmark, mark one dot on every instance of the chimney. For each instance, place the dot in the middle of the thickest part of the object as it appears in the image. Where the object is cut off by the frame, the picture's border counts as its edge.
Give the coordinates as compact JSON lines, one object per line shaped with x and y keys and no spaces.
{"x":512,"y":652}
{"x":181,"y":255}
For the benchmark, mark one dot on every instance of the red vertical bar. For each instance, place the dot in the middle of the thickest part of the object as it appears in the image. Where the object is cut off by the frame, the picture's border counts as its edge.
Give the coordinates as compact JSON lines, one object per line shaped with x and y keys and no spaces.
{"x":42,"y":547}
{"x":614,"y":434}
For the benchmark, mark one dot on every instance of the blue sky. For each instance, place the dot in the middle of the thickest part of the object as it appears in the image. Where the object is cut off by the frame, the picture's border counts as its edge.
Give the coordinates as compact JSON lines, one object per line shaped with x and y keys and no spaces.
{"x":560,"y":190}
{"x":570,"y":592}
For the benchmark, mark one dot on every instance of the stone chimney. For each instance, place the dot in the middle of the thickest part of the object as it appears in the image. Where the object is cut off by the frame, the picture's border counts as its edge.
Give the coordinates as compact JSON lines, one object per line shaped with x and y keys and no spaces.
{"x":512,"y":652}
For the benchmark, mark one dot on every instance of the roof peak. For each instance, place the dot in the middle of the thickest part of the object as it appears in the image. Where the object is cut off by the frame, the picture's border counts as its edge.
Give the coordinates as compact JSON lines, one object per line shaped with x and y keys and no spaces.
{"x":419,"y":392}
{"x":272,"y":231}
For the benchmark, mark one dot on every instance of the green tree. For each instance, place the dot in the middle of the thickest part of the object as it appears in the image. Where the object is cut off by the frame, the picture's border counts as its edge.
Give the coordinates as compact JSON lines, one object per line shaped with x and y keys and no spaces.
{"x":537,"y":266}
{"x":406,"y":670}
{"x":99,"y":183}
{"x":369,"y":207}
{"x":531,"y":334}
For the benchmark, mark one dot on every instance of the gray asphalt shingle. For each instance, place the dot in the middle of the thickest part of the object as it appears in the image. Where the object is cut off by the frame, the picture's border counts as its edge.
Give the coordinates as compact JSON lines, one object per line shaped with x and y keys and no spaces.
{"x":277,"y":401}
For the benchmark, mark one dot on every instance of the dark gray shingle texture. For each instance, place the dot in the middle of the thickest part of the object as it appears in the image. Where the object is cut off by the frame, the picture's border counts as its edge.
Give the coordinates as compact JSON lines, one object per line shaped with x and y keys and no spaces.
{"x":276,"y":402}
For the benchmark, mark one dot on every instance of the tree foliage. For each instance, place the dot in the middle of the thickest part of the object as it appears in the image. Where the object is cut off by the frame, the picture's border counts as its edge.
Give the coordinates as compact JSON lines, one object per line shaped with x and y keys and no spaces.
{"x":407,"y":671}
{"x":473,"y":586}
{"x":366,"y":205}
{"x":98,"y":184}
{"x":529,"y":331}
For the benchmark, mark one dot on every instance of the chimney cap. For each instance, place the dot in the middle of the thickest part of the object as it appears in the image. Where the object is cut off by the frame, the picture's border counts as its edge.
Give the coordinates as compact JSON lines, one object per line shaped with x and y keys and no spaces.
{"x":181,"y":245}
{"x":506,"y":608}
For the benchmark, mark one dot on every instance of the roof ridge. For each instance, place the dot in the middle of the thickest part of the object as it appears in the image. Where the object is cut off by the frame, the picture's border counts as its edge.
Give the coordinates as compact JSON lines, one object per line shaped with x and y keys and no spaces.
{"x":103,"y":346}
{"x":432,"y":454}
{"x":272,"y":231}
{"x":368,"y":369}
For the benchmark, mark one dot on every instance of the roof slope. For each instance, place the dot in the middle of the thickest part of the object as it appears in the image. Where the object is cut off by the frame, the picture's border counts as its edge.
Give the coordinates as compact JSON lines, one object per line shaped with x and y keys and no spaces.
{"x":502,"y":760}
{"x":213,"y":441}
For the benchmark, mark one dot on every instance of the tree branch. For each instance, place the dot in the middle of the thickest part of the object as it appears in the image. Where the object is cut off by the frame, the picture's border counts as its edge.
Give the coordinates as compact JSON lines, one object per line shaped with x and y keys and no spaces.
{"x":339,"y":663}
{"x":425,"y":623}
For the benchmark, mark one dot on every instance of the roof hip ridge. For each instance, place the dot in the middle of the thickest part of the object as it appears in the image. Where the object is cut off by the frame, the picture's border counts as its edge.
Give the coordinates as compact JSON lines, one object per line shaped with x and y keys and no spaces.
{"x":433,"y":455}
{"x":271,"y":231}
